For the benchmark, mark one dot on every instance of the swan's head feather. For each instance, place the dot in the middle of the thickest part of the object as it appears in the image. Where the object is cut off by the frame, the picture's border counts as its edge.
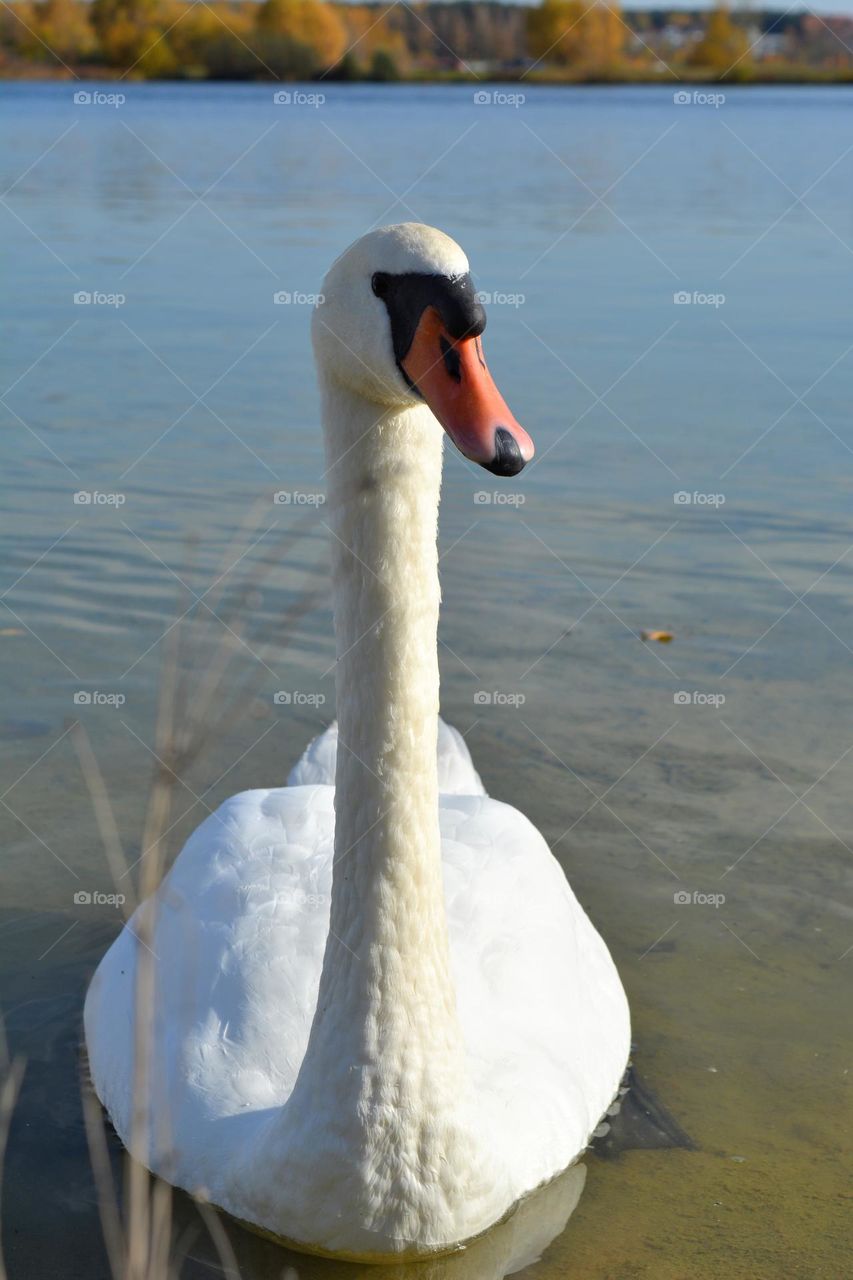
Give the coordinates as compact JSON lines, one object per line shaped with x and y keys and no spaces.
{"x":352,"y":334}
{"x":399,"y":325}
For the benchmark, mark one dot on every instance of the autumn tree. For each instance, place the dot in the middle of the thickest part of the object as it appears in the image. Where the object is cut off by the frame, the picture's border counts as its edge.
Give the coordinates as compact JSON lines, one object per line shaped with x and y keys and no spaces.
{"x":383,"y":67}
{"x":309,"y":23}
{"x":64,"y":27}
{"x":213,"y":39}
{"x":552,"y":31}
{"x":723,"y":46}
{"x":602,"y":36}
{"x":368,"y":36}
{"x":131,"y":35}
{"x":576,"y":33}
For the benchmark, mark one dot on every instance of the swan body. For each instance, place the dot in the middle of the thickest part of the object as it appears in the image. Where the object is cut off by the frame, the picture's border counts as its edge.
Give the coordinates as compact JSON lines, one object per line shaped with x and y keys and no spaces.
{"x":242,"y":923}
{"x":380,"y":1015}
{"x":456,"y":773}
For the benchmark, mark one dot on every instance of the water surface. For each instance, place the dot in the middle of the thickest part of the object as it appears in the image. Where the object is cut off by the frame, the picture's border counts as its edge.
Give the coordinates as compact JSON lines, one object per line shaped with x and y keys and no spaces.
{"x":189,"y":406}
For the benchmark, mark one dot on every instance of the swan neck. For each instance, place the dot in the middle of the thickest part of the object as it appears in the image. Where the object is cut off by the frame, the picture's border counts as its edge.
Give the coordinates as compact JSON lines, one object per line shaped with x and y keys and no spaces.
{"x":386,"y":971}
{"x":384,"y":498}
{"x":383,"y":1095}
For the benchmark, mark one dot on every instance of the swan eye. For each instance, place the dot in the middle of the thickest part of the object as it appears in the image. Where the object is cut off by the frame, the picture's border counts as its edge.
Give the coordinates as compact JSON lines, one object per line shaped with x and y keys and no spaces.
{"x":379,"y":284}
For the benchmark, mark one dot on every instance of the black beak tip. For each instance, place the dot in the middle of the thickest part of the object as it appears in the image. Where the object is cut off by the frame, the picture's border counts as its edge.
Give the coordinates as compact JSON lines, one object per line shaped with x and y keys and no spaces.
{"x":507,"y":460}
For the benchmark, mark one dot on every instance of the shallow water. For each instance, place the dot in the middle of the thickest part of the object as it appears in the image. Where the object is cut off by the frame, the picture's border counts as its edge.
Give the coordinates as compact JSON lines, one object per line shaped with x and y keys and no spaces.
{"x":194,"y":400}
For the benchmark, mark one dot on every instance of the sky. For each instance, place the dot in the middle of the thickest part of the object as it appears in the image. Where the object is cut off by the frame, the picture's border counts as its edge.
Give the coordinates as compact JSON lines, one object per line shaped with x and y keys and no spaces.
{"x":823,"y":7}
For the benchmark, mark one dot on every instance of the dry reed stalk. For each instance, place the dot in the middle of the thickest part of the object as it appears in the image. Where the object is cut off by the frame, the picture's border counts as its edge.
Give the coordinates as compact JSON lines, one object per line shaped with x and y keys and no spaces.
{"x":141,"y":1248}
{"x":13,"y":1074}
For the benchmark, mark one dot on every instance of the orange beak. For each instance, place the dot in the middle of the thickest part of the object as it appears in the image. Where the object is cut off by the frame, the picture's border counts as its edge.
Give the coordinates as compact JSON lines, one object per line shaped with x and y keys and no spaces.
{"x":451,"y":375}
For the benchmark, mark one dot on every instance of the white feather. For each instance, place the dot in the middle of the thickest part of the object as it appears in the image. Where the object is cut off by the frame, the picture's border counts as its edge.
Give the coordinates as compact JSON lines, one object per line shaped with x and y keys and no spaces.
{"x":381,"y":1016}
{"x":456,"y":773}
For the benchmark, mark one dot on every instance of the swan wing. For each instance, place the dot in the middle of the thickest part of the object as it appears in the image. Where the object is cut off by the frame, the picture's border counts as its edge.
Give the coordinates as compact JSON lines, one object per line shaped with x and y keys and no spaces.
{"x":237,"y":947}
{"x":456,"y":773}
{"x":316,"y":765}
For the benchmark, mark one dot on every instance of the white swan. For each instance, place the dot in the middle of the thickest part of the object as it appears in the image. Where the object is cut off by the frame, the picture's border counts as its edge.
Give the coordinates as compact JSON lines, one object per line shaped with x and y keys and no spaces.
{"x":456,"y":773}
{"x":378,"y":1061}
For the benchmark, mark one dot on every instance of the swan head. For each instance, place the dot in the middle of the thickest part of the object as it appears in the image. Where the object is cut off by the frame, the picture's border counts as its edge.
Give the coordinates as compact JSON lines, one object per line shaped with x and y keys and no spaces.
{"x":400,"y":324}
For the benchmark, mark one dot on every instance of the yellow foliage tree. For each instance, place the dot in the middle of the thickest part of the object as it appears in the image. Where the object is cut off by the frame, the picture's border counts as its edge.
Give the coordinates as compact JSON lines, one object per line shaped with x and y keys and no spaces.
{"x":307,"y":22}
{"x":576,"y":33}
{"x":63,"y":25}
{"x":131,"y":35}
{"x":552,"y":31}
{"x":366,"y":37}
{"x":723,"y":46}
{"x":198,"y":31}
{"x":602,"y":35}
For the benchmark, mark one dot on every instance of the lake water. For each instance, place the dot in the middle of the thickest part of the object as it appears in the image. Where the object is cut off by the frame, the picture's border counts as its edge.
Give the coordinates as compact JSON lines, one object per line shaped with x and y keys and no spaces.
{"x":585,"y":213}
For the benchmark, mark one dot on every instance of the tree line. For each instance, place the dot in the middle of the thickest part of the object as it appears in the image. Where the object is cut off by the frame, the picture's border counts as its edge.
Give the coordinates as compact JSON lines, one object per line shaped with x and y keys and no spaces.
{"x":304,"y":39}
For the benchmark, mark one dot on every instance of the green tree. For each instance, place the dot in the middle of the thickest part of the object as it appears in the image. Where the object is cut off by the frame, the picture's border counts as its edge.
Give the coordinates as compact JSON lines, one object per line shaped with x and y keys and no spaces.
{"x":383,"y":67}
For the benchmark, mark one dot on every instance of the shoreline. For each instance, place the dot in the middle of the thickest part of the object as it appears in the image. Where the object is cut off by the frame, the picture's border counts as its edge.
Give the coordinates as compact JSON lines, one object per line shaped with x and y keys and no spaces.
{"x":112,"y":75}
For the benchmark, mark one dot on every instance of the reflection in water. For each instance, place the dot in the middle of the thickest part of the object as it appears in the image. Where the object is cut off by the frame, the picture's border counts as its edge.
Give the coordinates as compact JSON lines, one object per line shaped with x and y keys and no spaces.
{"x":50,"y":1179}
{"x":511,"y":1246}
{"x":749,"y":1054}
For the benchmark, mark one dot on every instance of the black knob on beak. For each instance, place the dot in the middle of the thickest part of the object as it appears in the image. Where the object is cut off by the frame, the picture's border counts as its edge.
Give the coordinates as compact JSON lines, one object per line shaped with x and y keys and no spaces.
{"x":507,"y":460}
